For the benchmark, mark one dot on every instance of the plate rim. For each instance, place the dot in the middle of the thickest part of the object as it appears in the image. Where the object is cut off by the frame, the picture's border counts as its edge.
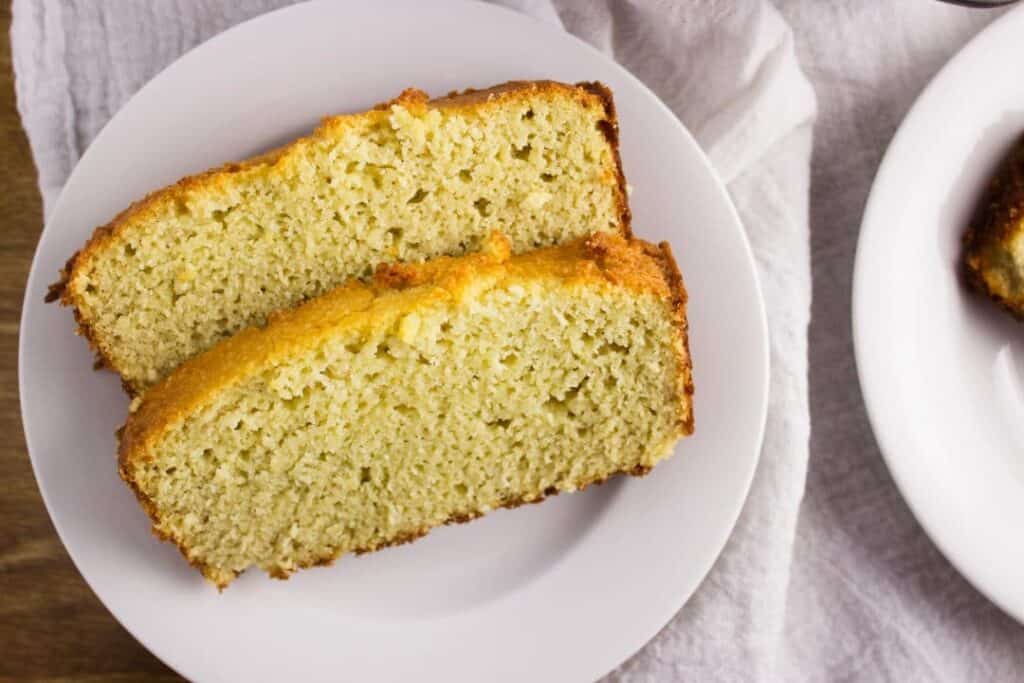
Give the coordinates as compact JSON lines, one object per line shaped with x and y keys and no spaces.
{"x":871,"y":226}
{"x":763,"y":351}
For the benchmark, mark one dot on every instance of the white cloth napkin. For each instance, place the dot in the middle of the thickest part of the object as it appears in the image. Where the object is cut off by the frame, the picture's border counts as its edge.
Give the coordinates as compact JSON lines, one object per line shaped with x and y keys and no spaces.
{"x":727,"y":69}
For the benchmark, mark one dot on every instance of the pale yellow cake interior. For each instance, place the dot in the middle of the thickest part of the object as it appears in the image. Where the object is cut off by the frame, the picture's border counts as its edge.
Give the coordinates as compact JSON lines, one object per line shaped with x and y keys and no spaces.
{"x":427,"y":407}
{"x":406,"y":183}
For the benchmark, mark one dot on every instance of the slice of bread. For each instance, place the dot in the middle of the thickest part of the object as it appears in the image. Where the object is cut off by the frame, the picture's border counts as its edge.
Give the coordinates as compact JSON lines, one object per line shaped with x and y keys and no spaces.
{"x":412,"y":179}
{"x":431,"y":395}
{"x":993,"y":254}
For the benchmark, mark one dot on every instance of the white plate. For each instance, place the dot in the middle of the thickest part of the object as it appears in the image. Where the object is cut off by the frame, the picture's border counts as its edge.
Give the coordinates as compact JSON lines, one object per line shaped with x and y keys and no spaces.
{"x":562,"y":591}
{"x":941,"y":369}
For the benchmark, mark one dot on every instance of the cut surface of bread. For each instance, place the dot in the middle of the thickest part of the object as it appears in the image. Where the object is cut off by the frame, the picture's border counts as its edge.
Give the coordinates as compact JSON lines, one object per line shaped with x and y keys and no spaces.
{"x":432,"y":394}
{"x":407,"y":181}
{"x":994,"y":243}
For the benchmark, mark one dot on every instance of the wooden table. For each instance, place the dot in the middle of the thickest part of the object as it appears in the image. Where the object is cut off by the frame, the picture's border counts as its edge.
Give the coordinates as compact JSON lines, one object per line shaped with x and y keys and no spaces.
{"x":52,"y":627}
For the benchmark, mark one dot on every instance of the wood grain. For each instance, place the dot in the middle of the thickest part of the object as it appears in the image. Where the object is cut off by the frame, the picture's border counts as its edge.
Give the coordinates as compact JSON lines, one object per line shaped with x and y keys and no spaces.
{"x":52,"y":627}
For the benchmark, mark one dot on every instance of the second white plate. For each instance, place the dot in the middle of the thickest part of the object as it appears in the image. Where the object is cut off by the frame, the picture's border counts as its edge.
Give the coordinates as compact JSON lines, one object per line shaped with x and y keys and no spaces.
{"x":561,"y":591}
{"x":941,"y":368}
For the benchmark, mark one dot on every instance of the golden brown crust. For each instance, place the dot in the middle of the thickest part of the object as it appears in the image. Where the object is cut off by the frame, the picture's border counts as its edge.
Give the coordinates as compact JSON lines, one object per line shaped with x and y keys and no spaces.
{"x":57,"y":291}
{"x":651,"y":268}
{"x":610,"y":128}
{"x":988,"y":260}
{"x":684,"y":380}
{"x":591,"y":94}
